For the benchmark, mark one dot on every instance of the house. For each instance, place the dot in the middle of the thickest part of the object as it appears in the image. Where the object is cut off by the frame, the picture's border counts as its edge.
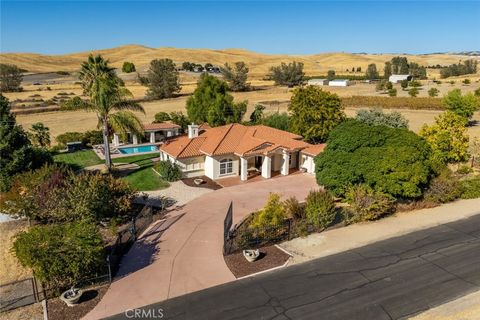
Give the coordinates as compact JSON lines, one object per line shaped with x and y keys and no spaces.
{"x":396,"y":78}
{"x":154,"y":132}
{"x":339,"y":83}
{"x":238,"y":150}
{"x":317,"y":82}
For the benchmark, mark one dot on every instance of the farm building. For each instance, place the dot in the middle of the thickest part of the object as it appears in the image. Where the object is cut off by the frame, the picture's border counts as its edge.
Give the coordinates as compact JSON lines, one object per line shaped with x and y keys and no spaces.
{"x":396,"y":78}
{"x":317,"y":82}
{"x":339,"y":83}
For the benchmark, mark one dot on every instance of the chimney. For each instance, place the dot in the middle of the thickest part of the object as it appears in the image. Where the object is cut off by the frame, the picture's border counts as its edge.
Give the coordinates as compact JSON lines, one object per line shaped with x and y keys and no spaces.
{"x":192,"y":131}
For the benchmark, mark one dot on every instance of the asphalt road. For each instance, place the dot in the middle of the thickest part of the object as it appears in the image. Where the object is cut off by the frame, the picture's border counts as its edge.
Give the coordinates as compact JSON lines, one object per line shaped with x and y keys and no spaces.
{"x":391,"y":279}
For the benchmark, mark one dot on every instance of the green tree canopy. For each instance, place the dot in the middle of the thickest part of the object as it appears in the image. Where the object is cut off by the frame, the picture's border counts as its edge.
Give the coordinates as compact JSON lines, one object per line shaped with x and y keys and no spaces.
{"x":288,"y":74}
{"x":462,"y":105}
{"x":16,"y":151}
{"x":314,"y":113}
{"x":212,"y":103}
{"x":277,"y":120}
{"x":236,"y":76}
{"x":448,"y":138}
{"x":372,"y":72}
{"x":390,"y":160}
{"x":10,"y":78}
{"x":257,"y":115}
{"x":162,"y":79}
{"x":40,"y":135}
{"x":162,"y":117}
{"x":128,"y":67}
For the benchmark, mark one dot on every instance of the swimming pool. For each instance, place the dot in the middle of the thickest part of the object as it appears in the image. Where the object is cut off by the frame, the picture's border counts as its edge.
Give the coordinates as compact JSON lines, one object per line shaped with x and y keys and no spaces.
{"x":139,"y":149}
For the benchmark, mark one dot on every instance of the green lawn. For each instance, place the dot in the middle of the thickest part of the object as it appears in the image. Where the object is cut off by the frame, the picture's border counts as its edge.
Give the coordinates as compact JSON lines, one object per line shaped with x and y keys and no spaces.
{"x":143,"y":179}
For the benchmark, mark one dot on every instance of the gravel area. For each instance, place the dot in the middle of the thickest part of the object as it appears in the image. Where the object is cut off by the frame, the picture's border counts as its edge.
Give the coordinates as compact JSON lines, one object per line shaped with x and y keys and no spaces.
{"x":207,"y":183}
{"x":270,"y":257}
{"x":58,"y":310}
{"x":178,"y":193}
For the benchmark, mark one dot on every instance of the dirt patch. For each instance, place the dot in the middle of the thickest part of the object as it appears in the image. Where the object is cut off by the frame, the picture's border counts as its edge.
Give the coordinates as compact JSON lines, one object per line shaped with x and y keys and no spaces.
{"x":31,"y":312}
{"x":207,"y":183}
{"x":58,"y":310}
{"x":10,"y":268}
{"x":270,"y":257}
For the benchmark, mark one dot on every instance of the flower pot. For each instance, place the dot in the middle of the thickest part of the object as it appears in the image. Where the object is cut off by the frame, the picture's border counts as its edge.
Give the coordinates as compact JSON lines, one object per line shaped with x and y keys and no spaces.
{"x":198,"y":181}
{"x":251,"y":255}
{"x":71,"y":296}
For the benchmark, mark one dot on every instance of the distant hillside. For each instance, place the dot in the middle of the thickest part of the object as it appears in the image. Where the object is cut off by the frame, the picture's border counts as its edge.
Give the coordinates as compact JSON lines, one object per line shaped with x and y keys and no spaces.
{"x":258,"y":63}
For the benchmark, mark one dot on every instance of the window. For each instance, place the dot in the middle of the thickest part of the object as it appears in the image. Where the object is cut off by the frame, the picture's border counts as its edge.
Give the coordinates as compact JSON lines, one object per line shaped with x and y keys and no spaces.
{"x":226,"y":166}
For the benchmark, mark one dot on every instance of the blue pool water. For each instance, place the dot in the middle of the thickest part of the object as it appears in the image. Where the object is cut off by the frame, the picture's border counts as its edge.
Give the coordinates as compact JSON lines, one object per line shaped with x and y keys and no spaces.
{"x":140,"y":149}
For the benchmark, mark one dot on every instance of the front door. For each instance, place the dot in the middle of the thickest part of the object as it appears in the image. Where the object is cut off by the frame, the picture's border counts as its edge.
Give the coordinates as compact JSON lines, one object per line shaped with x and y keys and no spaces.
{"x":258,"y":162}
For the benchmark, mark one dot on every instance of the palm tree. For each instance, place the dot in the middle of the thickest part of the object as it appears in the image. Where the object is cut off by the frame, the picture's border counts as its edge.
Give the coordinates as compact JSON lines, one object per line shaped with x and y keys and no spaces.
{"x":108,"y":99}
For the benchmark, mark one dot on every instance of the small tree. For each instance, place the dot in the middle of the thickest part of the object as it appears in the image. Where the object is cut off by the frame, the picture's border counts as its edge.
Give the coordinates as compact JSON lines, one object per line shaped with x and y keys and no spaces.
{"x":462,"y":105}
{"x":128,"y":67}
{"x":236,"y":76}
{"x":413,"y":92}
{"x":161,"y":117}
{"x":448,"y":138}
{"x":392,"y":92}
{"x":404,"y":84}
{"x":277,"y":120}
{"x":377,"y":117}
{"x":211,"y":103}
{"x":257,"y":114}
{"x":10,"y":78}
{"x":271,"y":215}
{"x":180,"y":119}
{"x":162,"y":79}
{"x":331,"y":75}
{"x":387,"y":70}
{"x":367,"y":204}
{"x":40,"y":135}
{"x":314,"y":113}
{"x":433,"y":92}
{"x":288,"y":74}
{"x":320,"y":208}
{"x":168,"y":171}
{"x":372,"y":72}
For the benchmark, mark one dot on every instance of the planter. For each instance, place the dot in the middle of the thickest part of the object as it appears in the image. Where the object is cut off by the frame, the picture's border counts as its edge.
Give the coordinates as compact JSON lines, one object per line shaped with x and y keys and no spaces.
{"x":251,"y":255}
{"x":71,"y":296}
{"x":198,"y":181}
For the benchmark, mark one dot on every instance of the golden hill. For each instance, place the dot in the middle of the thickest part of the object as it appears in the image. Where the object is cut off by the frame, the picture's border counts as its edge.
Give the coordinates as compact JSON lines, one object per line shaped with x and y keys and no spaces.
{"x":259,"y":64}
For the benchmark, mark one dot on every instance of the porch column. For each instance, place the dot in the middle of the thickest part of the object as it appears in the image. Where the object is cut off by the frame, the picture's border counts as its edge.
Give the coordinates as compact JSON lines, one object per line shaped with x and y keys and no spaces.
{"x":243,"y":169}
{"x":116,"y":140}
{"x":152,"y":137}
{"x":134,"y":139}
{"x":267,"y":167}
{"x":285,"y":165}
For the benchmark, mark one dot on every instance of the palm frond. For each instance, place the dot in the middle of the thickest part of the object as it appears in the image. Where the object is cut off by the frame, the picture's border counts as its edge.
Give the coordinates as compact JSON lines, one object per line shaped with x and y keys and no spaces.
{"x":123,"y":122}
{"x":128,"y":105}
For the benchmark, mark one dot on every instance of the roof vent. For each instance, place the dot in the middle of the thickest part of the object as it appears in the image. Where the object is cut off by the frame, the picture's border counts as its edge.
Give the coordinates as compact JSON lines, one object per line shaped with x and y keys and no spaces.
{"x":192,"y":131}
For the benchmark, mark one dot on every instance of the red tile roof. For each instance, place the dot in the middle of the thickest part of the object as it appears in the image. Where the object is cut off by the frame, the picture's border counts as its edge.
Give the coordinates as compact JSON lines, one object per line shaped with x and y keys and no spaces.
{"x":314,"y":149}
{"x":235,"y":138}
{"x":159,"y":126}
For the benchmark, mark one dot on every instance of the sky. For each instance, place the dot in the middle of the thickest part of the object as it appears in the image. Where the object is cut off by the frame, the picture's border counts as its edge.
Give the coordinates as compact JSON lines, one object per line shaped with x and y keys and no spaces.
{"x":274,"y":27}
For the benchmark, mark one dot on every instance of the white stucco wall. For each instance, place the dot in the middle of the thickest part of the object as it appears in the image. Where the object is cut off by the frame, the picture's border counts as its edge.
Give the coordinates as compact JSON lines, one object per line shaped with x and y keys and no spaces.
{"x":308,"y":163}
{"x":212,"y":166}
{"x":192,"y":167}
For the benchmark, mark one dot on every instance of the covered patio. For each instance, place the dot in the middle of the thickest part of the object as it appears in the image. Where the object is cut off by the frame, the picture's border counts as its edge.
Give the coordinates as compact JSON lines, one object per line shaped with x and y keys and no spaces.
{"x":153,"y":133}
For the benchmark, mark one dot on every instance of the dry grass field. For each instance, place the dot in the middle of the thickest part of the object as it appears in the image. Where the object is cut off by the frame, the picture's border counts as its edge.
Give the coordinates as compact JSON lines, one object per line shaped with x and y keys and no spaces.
{"x":258,"y":63}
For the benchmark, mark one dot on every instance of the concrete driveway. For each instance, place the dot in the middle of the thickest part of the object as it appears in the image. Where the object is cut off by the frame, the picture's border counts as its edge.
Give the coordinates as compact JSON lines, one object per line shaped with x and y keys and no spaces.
{"x":390,"y":279}
{"x":187,"y":256}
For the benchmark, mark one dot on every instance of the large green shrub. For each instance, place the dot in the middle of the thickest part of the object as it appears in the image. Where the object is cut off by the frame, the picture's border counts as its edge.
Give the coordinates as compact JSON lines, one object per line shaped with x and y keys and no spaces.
{"x":470,"y":188}
{"x":162,"y":117}
{"x":462,"y":105}
{"x":377,"y":117}
{"x":61,"y":255}
{"x":367,"y":204}
{"x":272,"y":214}
{"x":168,"y":171}
{"x":320,"y":208}
{"x":294,"y":209}
{"x":64,"y":138}
{"x":277,"y":120}
{"x":128,"y":67}
{"x":57,"y":194}
{"x":390,"y":160}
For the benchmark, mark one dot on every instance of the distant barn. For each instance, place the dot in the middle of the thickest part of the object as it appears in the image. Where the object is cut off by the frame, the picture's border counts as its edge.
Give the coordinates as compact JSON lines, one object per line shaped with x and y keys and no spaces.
{"x":339,"y":83}
{"x":396,"y":78}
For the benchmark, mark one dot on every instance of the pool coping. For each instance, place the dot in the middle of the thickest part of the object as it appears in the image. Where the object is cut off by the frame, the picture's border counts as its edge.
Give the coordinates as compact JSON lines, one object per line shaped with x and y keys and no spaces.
{"x":98,"y":149}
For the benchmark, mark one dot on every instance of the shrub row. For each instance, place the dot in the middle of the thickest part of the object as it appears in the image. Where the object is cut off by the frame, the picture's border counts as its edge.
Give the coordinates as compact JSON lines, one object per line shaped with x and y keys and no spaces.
{"x":428,"y":103}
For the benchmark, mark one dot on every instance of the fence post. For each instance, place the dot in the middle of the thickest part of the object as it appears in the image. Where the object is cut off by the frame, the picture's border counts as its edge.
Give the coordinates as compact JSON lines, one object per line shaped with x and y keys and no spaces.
{"x":109,"y":269}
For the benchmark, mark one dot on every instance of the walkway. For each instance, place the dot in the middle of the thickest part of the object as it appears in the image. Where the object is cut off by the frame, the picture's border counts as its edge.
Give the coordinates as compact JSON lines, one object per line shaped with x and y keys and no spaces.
{"x":188,"y":255}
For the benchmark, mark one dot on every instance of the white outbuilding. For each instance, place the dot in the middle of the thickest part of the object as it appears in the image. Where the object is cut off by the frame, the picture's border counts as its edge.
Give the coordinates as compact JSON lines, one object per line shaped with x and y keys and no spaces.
{"x":339,"y":83}
{"x":396,"y":78}
{"x":317,"y":82}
